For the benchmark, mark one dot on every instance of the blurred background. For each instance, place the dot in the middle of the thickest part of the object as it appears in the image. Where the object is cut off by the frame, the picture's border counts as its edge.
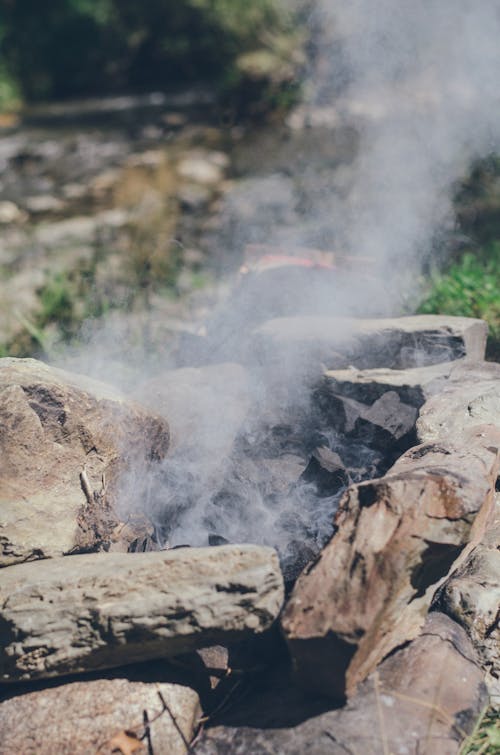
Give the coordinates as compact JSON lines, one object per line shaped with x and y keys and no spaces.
{"x":144,"y":145}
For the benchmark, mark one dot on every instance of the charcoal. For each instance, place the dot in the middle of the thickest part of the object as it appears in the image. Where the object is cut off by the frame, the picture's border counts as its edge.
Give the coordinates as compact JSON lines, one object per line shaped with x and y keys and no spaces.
{"x":386,"y":421}
{"x":295,"y":558}
{"x":214,"y":539}
{"x":327,"y":470}
{"x":338,"y":412}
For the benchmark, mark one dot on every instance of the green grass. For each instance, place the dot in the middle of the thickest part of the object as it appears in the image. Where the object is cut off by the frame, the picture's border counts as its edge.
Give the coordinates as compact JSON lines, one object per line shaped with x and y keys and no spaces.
{"x":485,"y":739}
{"x":470,"y":288}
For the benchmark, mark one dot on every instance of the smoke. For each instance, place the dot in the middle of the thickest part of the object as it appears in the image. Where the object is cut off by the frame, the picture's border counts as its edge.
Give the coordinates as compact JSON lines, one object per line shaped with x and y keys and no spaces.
{"x":418,"y":83}
{"x":421,"y":83}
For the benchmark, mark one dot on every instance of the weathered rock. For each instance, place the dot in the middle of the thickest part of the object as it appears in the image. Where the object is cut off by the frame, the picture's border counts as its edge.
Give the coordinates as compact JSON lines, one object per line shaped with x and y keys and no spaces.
{"x":387,"y":420}
{"x":98,"y":715}
{"x":396,"y":343}
{"x":203,"y":168}
{"x":470,"y":397}
{"x":413,"y":385}
{"x":327,"y":470}
{"x":80,"y":613}
{"x":471,"y":596}
{"x":396,"y":538}
{"x":64,"y":440}
{"x":425,"y":698}
{"x":10,"y":213}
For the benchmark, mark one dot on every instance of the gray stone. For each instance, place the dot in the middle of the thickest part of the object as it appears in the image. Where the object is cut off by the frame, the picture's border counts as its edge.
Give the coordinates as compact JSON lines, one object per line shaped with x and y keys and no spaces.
{"x":413,"y":385}
{"x":80,"y":613}
{"x":10,"y":213}
{"x":42,"y":204}
{"x":202,"y":168}
{"x":469,"y":398}
{"x":90,"y":716}
{"x":425,"y":698}
{"x":64,"y":441}
{"x":396,"y":343}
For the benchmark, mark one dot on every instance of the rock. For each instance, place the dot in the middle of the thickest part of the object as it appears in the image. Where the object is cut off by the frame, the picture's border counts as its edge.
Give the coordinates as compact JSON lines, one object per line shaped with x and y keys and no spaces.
{"x":413,"y":385}
{"x":470,"y":398}
{"x":98,"y":715}
{"x":10,"y":213}
{"x":81,"y":230}
{"x":43,"y":204}
{"x":395,"y":539}
{"x":327,"y":470}
{"x":338,"y":412}
{"x":471,"y":596}
{"x":64,"y":441}
{"x":425,"y":698}
{"x":201,"y":168}
{"x":194,"y":197}
{"x":397,"y":343}
{"x":387,"y":420}
{"x":79,"y":613}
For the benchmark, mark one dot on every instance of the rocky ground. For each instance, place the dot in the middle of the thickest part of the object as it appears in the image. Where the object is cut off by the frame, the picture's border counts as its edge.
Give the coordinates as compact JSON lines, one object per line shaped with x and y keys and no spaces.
{"x":137,"y":206}
{"x":116,"y":639}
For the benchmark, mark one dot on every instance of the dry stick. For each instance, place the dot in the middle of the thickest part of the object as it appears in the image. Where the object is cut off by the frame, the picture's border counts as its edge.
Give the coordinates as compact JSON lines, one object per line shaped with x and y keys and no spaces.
{"x":174,"y":721}
{"x":222,"y":704}
{"x":147,"y":732}
{"x":436,"y":696}
{"x":135,"y":727}
{"x":470,"y":737}
{"x":448,"y":719}
{"x":84,"y":481}
{"x":383,"y":733}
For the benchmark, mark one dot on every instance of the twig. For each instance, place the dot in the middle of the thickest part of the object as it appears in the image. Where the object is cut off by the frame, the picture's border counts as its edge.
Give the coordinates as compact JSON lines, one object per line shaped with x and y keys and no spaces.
{"x":222,"y":704}
{"x":84,"y":481}
{"x":174,"y":721}
{"x":147,"y":732}
{"x":433,"y":707}
{"x":383,"y":733}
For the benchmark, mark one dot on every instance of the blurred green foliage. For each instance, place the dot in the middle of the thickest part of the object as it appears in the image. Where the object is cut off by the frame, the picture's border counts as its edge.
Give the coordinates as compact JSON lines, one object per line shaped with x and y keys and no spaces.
{"x":79,"y":47}
{"x":469,"y":284}
{"x":470,"y":288}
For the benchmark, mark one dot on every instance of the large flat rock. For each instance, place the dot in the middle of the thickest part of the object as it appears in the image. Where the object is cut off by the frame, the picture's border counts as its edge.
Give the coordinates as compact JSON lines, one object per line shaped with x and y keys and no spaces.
{"x":79,"y":613}
{"x":469,"y":398}
{"x":100,"y":715}
{"x":396,"y":538}
{"x":306,"y":343}
{"x":413,"y":385}
{"x":59,"y":434}
{"x":425,"y":698}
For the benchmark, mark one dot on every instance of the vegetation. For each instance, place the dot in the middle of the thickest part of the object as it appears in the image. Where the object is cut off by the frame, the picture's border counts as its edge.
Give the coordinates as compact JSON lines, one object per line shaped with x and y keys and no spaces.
{"x":471,"y":288}
{"x":80,"y":47}
{"x":485,"y":740}
{"x":470,"y":283}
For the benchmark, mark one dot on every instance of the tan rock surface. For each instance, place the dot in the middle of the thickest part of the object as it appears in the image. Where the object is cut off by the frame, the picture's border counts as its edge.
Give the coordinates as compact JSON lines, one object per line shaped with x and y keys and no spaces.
{"x":395,"y":539}
{"x":80,"y":718}
{"x":55,"y":427}
{"x":470,"y":397}
{"x":79,"y":613}
{"x":471,"y":596}
{"x":425,"y":698}
{"x":395,"y":343}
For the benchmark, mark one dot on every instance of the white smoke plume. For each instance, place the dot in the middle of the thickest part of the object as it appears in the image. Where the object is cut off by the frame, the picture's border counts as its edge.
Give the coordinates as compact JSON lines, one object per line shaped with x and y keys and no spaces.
{"x":421,"y":84}
{"x":419,"y":81}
